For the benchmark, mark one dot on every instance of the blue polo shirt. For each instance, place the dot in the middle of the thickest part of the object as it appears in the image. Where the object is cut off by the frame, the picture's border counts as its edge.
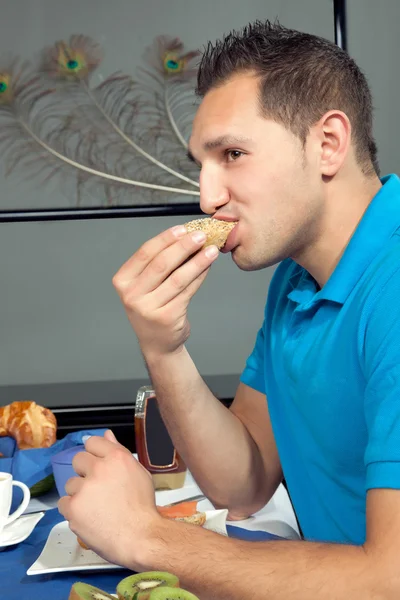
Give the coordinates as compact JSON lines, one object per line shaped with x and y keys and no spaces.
{"x":329,"y":362}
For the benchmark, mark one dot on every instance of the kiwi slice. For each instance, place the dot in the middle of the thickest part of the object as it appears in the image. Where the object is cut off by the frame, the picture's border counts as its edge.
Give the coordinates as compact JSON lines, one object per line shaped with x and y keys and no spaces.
{"x":138,"y":587}
{"x":84,"y":591}
{"x":168,"y":593}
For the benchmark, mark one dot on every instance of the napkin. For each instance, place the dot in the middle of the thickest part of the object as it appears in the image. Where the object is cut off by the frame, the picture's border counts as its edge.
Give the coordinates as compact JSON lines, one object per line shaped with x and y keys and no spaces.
{"x":31,"y":466}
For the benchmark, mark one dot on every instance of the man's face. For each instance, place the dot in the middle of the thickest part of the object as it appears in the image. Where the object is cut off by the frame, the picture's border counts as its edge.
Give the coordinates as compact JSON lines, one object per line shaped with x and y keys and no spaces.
{"x":255,"y":171}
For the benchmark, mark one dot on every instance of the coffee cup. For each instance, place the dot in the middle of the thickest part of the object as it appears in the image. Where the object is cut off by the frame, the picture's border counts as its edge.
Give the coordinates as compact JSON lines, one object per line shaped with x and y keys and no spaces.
{"x":6,"y":487}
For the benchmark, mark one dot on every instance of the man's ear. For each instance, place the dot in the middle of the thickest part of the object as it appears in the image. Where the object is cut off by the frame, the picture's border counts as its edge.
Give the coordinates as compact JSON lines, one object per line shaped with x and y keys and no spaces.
{"x":334,"y":134}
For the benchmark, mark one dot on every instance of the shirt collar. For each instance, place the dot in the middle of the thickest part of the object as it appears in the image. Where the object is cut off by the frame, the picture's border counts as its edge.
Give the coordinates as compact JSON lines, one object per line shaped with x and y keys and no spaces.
{"x":379,"y":222}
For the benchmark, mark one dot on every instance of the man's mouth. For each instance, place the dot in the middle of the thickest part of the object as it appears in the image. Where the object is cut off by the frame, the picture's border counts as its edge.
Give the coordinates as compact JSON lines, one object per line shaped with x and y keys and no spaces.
{"x":231,"y":241}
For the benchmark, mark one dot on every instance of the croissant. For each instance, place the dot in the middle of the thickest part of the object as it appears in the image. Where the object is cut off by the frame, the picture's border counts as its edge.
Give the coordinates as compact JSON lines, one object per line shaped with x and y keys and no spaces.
{"x":31,"y":425}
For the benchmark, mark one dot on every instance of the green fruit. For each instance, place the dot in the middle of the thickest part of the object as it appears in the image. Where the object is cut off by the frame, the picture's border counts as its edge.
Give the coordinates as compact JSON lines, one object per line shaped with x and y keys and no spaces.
{"x":84,"y":591}
{"x":138,"y":587}
{"x":167,"y":593}
{"x":43,"y":486}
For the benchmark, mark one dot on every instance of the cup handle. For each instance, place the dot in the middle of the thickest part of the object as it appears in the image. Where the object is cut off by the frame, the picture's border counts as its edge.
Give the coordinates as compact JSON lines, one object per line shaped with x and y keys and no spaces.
{"x":27,"y":496}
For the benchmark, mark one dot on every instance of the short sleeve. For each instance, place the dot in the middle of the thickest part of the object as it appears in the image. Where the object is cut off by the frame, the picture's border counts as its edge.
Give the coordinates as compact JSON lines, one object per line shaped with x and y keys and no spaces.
{"x":253,"y":374}
{"x":382,"y":393}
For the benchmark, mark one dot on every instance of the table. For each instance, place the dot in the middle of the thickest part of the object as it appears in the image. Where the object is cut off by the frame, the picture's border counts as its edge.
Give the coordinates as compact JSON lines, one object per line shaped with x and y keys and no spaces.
{"x":277,"y":517}
{"x":15,"y":560}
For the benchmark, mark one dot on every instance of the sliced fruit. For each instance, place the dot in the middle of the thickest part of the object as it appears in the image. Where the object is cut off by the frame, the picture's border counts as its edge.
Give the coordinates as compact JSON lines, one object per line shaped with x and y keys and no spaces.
{"x":167,"y":593}
{"x":138,"y":587}
{"x":84,"y":591}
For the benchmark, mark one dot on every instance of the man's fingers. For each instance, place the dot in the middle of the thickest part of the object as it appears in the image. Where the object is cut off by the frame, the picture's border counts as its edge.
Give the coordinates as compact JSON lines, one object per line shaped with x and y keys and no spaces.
{"x":135,"y":265}
{"x":167,"y":262}
{"x":196,"y":284}
{"x":102,"y":447}
{"x":186,"y":279}
{"x":82,"y":463}
{"x":185,"y":297}
{"x":73,"y":485}
{"x":63,"y":506}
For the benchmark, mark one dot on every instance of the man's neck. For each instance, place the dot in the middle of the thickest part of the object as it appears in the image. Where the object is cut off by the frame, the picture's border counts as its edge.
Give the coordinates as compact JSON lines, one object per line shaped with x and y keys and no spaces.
{"x":345,"y":206}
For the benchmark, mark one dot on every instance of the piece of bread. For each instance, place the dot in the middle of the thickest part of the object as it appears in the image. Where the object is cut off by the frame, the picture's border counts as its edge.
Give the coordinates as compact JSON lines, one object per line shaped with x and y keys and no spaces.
{"x":198,"y":518}
{"x":82,"y":544}
{"x":185,"y":511}
{"x":31,"y":425}
{"x":217,"y":231}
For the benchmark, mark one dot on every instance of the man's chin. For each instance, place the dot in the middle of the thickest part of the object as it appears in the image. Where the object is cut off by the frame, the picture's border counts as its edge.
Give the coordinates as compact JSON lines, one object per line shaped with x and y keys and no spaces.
{"x":247,"y":263}
{"x":242,"y":261}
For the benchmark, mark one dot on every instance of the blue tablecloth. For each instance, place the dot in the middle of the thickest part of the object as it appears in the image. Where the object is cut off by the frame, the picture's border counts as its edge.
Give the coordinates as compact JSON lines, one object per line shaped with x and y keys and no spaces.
{"x":15,"y":584}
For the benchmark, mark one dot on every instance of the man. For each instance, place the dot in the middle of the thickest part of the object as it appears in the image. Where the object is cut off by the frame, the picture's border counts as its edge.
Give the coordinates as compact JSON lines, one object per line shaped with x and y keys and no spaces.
{"x":283,"y":138}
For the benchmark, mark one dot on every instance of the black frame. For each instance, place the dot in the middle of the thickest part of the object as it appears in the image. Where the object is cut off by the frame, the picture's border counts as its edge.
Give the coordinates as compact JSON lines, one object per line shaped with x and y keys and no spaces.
{"x":157,"y":210}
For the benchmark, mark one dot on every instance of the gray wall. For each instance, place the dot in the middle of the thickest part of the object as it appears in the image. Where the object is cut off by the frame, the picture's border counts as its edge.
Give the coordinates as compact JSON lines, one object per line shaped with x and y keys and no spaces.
{"x":374,"y":43}
{"x":61,"y":322}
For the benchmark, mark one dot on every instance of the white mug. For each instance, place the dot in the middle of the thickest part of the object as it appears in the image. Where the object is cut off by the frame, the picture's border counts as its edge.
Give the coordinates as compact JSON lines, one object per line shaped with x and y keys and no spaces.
{"x":6,"y":486}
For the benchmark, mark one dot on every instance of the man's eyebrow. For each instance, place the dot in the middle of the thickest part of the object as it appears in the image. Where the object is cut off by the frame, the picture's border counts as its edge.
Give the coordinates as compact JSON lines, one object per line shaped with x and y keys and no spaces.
{"x":222,"y":140}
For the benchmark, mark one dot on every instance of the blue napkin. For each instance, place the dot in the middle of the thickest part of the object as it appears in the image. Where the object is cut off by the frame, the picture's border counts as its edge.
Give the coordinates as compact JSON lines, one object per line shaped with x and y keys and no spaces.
{"x":31,"y":466}
{"x":252,"y":536}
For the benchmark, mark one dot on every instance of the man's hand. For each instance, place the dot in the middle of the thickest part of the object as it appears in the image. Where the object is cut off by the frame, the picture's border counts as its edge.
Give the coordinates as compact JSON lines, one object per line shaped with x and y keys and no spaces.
{"x":111,"y":505}
{"x":156,"y":285}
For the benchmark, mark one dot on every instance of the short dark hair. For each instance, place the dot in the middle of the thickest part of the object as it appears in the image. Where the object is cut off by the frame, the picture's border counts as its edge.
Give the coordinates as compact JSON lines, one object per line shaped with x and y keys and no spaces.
{"x":302,"y":76}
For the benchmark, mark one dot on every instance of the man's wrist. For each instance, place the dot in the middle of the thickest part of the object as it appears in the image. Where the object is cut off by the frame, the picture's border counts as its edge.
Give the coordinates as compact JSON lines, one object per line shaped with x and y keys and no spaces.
{"x":157,"y":359}
{"x":152,"y":551}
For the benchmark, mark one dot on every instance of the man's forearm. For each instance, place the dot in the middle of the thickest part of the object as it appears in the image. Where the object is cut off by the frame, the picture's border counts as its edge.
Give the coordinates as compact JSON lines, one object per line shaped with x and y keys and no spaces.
{"x":218,"y":568}
{"x":211,"y":439}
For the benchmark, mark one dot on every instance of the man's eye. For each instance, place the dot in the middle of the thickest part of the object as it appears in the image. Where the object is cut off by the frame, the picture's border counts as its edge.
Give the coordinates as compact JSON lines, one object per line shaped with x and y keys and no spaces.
{"x":233,"y":155}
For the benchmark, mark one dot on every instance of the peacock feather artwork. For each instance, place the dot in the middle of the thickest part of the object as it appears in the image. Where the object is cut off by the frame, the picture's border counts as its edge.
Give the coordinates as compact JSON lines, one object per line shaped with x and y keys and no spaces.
{"x":123,"y":141}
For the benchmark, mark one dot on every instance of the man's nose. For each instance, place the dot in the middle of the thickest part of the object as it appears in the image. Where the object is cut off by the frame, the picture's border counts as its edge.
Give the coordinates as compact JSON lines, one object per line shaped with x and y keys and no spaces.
{"x":213,"y":191}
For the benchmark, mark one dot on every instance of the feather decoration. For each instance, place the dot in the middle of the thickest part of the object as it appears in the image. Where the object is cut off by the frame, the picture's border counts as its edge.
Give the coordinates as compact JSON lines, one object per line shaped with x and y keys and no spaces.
{"x":76,"y":59}
{"x":33,"y":140}
{"x":167,"y":56}
{"x":119,"y":135}
{"x":114,"y":107}
{"x":168,"y":85}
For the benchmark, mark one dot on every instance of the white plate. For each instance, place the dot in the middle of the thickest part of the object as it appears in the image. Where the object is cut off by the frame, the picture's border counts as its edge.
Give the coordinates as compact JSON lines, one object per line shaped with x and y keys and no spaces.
{"x":62,"y":551}
{"x":19,"y":530}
